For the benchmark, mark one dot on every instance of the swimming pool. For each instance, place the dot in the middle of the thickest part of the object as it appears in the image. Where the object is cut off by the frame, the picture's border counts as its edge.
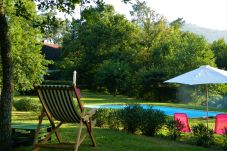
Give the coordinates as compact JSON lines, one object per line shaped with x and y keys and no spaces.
{"x":167,"y":110}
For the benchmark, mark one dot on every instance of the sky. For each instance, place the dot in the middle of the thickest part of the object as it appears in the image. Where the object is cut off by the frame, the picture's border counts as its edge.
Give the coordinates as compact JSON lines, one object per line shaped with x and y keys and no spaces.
{"x":204,"y":13}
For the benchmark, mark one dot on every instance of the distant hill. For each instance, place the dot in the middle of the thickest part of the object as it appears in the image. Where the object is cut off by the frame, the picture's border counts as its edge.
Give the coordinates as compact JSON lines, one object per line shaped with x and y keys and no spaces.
{"x":209,"y":34}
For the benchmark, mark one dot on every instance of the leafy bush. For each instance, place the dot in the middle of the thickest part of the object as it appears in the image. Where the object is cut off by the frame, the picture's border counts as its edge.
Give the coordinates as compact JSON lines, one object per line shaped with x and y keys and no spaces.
{"x":102,"y":117}
{"x":152,"y":121}
{"x":108,"y":118}
{"x":174,"y":127}
{"x":225,"y":139}
{"x":114,"y":119}
{"x":113,"y":75}
{"x":132,"y":118}
{"x":27,"y":104}
{"x":203,"y":135}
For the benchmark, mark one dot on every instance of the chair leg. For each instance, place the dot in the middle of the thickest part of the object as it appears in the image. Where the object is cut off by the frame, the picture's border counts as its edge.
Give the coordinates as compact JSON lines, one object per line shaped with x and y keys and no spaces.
{"x":35,"y":148}
{"x":90,"y":131}
{"x":58,"y":136}
{"x":50,"y":133}
{"x":78,"y":136}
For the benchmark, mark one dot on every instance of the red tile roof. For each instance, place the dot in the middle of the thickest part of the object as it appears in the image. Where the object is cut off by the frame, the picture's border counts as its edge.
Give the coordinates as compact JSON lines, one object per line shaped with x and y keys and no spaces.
{"x":53,"y":45}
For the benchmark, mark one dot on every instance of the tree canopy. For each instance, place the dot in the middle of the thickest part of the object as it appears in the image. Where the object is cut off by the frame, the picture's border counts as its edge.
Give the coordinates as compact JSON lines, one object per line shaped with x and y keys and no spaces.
{"x":26,"y":42}
{"x":220,"y":49}
{"x":136,"y":55}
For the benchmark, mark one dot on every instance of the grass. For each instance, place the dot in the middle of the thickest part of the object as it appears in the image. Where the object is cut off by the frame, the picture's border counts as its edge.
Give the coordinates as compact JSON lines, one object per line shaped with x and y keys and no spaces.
{"x":98,"y":98}
{"x":89,"y":97}
{"x":111,"y":140}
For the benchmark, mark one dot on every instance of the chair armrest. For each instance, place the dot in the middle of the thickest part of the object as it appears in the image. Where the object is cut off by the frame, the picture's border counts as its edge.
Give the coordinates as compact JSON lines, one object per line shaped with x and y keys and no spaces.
{"x":89,"y":114}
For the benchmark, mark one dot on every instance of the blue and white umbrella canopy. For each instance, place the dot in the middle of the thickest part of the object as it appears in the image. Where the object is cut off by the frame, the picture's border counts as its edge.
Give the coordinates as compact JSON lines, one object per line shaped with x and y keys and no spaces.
{"x":202,"y":75}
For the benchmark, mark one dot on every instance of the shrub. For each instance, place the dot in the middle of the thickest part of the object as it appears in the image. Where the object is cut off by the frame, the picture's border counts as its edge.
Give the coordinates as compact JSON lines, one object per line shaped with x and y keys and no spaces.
{"x":108,"y":118}
{"x":225,"y":139}
{"x":131,"y":118}
{"x":102,"y":117}
{"x":174,"y":127}
{"x":27,"y":104}
{"x":152,"y":122}
{"x":203,"y":135}
{"x":114,"y":119}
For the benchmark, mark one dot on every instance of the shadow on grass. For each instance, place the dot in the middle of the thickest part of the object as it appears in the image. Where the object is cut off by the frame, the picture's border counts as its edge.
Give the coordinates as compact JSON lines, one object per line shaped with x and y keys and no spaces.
{"x":26,"y":117}
{"x":111,"y":140}
{"x":95,"y":97}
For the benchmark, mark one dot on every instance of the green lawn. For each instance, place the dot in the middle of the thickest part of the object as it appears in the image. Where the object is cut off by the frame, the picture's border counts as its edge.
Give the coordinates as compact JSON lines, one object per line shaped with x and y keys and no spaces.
{"x":89,"y":97}
{"x":98,"y":98}
{"x":111,"y":140}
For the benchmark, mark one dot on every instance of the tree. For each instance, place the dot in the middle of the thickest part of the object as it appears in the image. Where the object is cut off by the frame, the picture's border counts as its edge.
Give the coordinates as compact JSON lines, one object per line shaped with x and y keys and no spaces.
{"x":26,"y":42}
{"x":178,"y":23}
{"x":147,"y":19}
{"x":102,"y":37}
{"x":7,"y":86}
{"x":220,"y":50}
{"x":114,"y":76}
{"x":165,"y":50}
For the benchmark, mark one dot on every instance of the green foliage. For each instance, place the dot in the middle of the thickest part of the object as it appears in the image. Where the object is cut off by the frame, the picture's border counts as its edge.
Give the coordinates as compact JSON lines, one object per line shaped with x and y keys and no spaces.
{"x":114,"y":76}
{"x":132,"y":118}
{"x":150,"y":85}
{"x":197,"y":94}
{"x":132,"y":58}
{"x":114,"y":119}
{"x":29,"y":64}
{"x":174,"y":128}
{"x":220,"y":49}
{"x":27,"y":104}
{"x":103,"y":39}
{"x":152,"y":121}
{"x":103,"y":117}
{"x":52,"y":27}
{"x":203,"y":136}
{"x":108,"y":118}
{"x":225,"y":139}
{"x":63,"y":6}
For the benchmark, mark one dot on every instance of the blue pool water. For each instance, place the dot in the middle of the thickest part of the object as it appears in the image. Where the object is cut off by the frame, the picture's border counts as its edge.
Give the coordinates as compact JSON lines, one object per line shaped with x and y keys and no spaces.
{"x":167,"y":110}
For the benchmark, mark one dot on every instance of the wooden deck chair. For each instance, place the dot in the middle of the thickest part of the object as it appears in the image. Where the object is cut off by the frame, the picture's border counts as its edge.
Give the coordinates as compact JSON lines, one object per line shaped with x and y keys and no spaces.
{"x":59,"y":107}
{"x":183,"y":119}
{"x":220,"y":124}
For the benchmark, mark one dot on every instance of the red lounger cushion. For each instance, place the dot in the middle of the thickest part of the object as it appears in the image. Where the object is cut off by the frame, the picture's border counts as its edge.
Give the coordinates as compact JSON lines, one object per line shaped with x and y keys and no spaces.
{"x":183,"y":118}
{"x":220,"y":123}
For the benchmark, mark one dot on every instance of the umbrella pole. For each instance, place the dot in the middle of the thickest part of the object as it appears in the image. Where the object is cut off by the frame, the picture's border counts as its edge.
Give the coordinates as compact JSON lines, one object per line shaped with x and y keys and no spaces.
{"x":207,"y":104}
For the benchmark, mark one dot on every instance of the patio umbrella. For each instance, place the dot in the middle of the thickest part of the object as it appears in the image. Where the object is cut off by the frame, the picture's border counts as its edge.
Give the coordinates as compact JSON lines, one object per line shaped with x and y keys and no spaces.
{"x":202,"y":75}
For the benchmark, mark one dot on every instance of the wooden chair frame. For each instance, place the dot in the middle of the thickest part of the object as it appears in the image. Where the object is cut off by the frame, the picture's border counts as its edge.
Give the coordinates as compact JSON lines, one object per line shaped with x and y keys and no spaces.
{"x":85,"y":121}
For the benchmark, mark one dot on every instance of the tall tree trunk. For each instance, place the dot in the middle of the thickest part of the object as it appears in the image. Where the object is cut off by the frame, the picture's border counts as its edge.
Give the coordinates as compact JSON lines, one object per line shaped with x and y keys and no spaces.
{"x":7,"y":89}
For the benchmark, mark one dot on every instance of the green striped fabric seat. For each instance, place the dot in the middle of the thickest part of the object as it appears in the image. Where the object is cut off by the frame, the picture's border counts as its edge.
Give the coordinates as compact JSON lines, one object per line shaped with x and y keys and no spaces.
{"x":58,"y":101}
